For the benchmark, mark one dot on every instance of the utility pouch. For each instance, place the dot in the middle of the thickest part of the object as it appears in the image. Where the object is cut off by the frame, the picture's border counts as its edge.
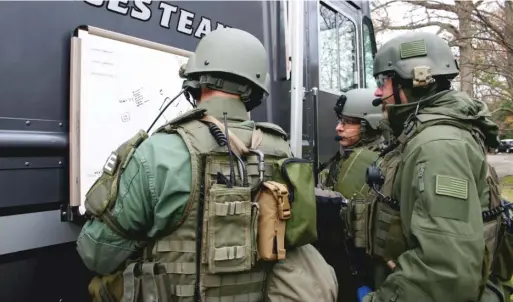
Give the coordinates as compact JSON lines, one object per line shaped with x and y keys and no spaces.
{"x":360,"y":222}
{"x":230,"y":238}
{"x":274,"y":207}
{"x":388,"y":241}
{"x":297,"y":175}
{"x":147,"y":281}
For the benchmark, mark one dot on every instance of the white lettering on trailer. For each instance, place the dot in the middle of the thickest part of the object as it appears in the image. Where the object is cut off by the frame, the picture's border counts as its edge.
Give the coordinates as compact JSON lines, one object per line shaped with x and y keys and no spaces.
{"x":185,"y":21}
{"x":141,"y":10}
{"x":204,"y":27}
{"x":167,"y":10}
{"x":115,"y":6}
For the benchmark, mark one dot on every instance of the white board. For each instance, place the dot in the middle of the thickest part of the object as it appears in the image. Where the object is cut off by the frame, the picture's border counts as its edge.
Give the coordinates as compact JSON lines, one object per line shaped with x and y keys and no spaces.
{"x":119,"y":86}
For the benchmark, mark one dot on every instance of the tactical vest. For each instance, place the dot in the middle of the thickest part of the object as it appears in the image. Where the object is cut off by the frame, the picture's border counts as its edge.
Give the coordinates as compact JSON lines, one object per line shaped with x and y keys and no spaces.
{"x":385,"y":230}
{"x":222,"y":264}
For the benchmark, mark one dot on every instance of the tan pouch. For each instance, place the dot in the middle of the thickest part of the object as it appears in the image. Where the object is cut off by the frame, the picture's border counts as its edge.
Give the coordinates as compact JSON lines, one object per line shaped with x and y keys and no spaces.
{"x":274,"y":207}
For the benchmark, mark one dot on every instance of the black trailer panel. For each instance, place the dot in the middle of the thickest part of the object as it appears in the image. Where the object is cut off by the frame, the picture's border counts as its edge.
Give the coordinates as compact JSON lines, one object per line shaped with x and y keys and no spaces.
{"x":37,"y":251}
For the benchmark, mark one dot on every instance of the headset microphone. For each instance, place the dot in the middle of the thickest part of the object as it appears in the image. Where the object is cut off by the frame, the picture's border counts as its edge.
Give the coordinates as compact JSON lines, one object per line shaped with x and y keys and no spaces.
{"x":379,"y":101}
{"x":338,"y":138}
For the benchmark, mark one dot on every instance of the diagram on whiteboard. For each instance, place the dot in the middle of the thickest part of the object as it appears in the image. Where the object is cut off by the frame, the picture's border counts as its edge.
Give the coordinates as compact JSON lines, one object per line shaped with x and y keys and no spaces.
{"x":123,"y":88}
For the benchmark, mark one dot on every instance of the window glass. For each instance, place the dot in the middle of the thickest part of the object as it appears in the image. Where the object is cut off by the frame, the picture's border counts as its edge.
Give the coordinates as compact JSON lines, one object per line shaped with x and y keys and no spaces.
{"x":368,"y":56}
{"x":337,"y":62}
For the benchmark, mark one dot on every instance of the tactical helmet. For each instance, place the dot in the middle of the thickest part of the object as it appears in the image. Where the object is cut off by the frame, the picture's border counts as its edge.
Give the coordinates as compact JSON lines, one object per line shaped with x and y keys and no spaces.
{"x":357,"y":103}
{"x":416,"y":56}
{"x":226,"y":55}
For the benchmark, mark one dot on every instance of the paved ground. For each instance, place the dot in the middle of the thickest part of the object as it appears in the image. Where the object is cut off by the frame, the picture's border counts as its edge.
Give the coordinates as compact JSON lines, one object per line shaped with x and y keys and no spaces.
{"x":503,"y":163}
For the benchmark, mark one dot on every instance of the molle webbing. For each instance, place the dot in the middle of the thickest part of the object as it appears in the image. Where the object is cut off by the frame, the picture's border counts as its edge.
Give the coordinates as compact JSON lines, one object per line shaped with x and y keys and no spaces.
{"x":219,"y":223}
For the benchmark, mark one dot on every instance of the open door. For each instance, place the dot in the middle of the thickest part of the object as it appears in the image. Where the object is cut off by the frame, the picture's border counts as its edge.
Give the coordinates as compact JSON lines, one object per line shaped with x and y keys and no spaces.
{"x":333,"y":65}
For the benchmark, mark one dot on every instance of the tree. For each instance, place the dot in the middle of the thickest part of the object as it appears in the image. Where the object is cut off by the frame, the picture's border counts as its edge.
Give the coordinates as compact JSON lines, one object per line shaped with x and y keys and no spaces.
{"x":481,"y":33}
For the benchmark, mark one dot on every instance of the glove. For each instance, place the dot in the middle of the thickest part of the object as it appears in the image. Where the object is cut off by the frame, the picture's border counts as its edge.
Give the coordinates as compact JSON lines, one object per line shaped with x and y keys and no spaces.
{"x":324,"y":196}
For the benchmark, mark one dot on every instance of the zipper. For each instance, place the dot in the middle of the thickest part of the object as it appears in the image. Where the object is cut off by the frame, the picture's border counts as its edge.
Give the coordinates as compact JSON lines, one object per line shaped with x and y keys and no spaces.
{"x":421,"y":177}
{"x":286,"y":175}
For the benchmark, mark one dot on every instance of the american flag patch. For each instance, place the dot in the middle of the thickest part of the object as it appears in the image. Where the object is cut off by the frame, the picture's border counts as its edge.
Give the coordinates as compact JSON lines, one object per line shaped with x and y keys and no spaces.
{"x":451,"y":186}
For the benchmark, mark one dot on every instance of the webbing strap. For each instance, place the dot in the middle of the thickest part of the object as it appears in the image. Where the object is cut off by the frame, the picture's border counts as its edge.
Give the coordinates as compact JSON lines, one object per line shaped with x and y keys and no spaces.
{"x":182,"y":290}
{"x":239,"y":148}
{"x":221,"y":280}
{"x":149,"y":282}
{"x":175,"y":246}
{"x":229,"y":253}
{"x":131,"y":285}
{"x":228,"y":208}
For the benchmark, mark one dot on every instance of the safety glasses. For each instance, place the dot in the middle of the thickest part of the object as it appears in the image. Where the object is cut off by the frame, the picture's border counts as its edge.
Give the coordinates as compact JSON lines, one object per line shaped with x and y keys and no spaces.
{"x":381,"y":80}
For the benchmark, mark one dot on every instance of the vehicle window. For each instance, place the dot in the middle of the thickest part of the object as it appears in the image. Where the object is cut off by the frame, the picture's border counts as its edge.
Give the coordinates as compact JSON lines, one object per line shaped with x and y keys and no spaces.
{"x":368,"y":56}
{"x":337,"y":63}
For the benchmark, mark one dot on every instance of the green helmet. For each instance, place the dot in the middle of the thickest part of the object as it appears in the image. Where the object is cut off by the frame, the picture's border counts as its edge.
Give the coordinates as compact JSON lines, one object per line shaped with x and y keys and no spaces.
{"x":233,"y":61}
{"x":416,"y":56}
{"x":357,"y":103}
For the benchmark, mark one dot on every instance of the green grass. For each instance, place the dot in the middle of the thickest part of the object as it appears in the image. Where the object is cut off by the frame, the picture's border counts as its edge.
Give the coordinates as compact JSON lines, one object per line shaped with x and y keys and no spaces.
{"x":507,"y":187}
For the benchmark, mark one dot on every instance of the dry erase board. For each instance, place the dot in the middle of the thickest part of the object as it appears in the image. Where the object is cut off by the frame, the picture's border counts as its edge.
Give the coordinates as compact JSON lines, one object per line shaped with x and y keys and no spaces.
{"x":119,"y":84}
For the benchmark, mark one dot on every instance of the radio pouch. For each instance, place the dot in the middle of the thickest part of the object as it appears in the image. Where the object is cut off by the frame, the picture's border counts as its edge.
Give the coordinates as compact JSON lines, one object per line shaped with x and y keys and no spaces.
{"x":274,"y":206}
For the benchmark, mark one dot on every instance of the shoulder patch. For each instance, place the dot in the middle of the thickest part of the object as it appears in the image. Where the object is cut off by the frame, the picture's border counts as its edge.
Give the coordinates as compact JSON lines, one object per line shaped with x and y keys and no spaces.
{"x":451,"y":186}
{"x":193,"y":114}
{"x":270,"y":127}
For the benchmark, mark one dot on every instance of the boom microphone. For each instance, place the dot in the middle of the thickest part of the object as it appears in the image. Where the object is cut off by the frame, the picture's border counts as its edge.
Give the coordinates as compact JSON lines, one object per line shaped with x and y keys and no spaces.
{"x":377,"y":102}
{"x":338,"y":138}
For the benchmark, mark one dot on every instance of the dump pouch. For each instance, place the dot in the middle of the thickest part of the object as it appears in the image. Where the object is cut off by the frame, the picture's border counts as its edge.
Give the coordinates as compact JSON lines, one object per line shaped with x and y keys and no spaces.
{"x":297,"y":175}
{"x":274,"y":206}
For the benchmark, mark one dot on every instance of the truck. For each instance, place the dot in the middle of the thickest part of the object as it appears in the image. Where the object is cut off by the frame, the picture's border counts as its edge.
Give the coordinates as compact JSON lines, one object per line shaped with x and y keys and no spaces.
{"x":317,"y":50}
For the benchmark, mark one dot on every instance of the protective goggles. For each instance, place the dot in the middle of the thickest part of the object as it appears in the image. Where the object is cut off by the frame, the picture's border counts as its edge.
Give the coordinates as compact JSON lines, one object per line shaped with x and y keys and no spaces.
{"x":347,"y":120}
{"x":381,"y":80}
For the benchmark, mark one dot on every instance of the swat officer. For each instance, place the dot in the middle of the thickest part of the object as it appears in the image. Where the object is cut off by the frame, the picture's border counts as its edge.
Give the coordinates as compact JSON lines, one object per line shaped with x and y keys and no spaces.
{"x":173,"y":220}
{"x":435,"y":221}
{"x":359,"y":133}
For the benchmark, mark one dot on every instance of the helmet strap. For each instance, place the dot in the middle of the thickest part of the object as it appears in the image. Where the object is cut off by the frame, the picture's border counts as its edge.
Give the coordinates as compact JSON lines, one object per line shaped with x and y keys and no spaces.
{"x":395,"y":89}
{"x":250,"y":97}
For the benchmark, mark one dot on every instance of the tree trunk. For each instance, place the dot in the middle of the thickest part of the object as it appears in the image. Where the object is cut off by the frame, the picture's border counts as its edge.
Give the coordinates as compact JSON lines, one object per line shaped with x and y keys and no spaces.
{"x":466,"y":31}
{"x":508,"y":26}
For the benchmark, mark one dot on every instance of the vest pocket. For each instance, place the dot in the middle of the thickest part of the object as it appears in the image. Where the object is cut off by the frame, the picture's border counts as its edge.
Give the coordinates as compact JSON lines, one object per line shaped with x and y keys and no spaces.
{"x":230,"y":229}
{"x":388,"y":233}
{"x":360,"y":222}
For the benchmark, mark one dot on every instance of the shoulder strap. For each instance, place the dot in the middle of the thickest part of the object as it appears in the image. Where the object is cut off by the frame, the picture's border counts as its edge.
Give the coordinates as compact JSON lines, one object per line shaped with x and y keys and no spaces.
{"x":193,"y":114}
{"x":238,"y":146}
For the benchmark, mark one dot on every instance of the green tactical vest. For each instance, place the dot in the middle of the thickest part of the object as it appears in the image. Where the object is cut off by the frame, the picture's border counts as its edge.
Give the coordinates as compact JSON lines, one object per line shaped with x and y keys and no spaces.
{"x":212,"y":255}
{"x":351,"y":175}
{"x":221,"y":265}
{"x":385,"y":229}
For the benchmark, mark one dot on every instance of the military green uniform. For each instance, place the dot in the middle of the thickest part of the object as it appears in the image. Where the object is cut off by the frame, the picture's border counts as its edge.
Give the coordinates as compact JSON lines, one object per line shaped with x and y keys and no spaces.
{"x":345,"y":174}
{"x":176,"y":218}
{"x":436,"y":216}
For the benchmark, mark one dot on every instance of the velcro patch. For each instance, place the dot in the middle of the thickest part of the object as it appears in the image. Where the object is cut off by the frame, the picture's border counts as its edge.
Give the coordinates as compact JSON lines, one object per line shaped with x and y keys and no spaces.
{"x":413,"y":49}
{"x":111,"y":164}
{"x":451,"y":186}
